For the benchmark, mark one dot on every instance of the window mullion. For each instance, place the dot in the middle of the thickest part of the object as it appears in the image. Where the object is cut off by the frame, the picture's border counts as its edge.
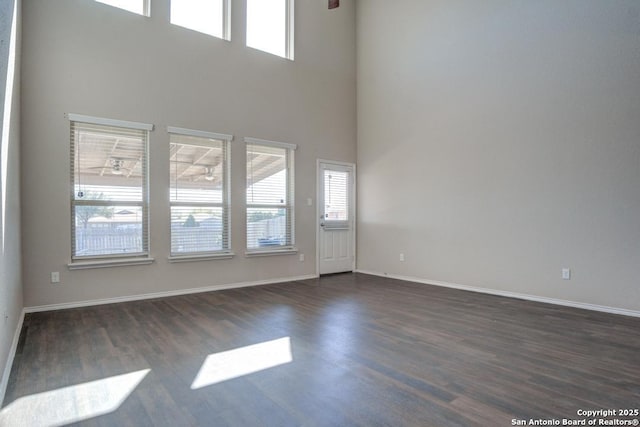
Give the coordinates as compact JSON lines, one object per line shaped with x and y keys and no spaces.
{"x":91,"y":202}
{"x":199,"y":204}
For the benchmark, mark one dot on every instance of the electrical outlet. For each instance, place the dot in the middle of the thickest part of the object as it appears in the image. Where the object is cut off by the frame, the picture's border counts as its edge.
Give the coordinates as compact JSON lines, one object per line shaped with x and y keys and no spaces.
{"x":566,"y":274}
{"x":402,"y":257}
{"x":55,"y":277}
{"x":301,"y":257}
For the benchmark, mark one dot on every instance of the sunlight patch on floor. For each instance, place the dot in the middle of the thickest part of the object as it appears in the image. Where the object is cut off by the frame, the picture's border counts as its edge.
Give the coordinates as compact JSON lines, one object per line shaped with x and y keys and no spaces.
{"x":71,"y":404}
{"x":219,"y":367}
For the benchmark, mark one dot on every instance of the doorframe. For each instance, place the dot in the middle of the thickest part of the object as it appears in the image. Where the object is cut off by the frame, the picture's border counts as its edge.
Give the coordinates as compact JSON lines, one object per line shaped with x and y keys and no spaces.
{"x":319,"y":211}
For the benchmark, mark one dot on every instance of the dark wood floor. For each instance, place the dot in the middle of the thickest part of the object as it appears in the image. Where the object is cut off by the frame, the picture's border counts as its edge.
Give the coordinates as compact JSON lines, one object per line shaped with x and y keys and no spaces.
{"x":366,"y":351}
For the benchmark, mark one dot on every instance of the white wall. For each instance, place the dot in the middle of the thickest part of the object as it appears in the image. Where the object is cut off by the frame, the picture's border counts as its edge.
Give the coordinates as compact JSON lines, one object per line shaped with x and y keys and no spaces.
{"x":499,"y":141}
{"x":85,"y":57}
{"x":10,"y":272}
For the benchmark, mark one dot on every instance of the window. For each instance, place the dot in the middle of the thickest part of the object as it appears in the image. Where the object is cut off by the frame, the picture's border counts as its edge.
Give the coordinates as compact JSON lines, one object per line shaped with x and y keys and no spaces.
{"x":109,"y":204}
{"x":270,"y":26}
{"x":336,"y":198}
{"x":199,"y":192}
{"x":270,"y":195}
{"x":206,"y":16}
{"x":141,"y":7}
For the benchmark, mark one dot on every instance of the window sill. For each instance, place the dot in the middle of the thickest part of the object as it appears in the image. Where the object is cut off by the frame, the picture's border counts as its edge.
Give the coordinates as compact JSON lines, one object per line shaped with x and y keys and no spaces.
{"x":201,"y":257}
{"x":271,"y":252}
{"x":121,"y":262}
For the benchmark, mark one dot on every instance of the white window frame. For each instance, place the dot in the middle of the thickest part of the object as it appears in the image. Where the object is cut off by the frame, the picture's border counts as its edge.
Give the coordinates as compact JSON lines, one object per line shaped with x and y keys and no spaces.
{"x":226,"y":22}
{"x":290,"y":247}
{"x":146,"y":8}
{"x":289,"y":31}
{"x":116,"y":259}
{"x":225,"y":252}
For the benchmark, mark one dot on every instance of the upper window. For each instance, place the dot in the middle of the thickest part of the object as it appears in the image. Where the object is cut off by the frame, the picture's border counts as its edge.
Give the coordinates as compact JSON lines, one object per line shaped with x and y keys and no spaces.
{"x":109,"y":204}
{"x":141,"y":7}
{"x":270,"y":26}
{"x":199,"y":192}
{"x":270,"y":195}
{"x":206,"y":16}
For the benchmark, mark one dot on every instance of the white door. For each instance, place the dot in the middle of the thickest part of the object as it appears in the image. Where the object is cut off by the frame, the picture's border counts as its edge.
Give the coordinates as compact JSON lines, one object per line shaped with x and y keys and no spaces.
{"x":336,"y":217}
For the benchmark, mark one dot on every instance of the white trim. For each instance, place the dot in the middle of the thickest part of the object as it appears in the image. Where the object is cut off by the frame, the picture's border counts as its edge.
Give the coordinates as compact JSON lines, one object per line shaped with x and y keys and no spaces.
{"x":270,"y":252}
{"x":337,"y":226}
{"x":109,"y":122}
{"x":11,"y":357}
{"x":285,"y":145}
{"x":200,"y":257}
{"x":290,"y":36}
{"x":226,"y":20}
{"x":336,"y":162}
{"x":116,"y":262}
{"x":89,"y":303}
{"x":508,"y":294}
{"x":199,"y":133}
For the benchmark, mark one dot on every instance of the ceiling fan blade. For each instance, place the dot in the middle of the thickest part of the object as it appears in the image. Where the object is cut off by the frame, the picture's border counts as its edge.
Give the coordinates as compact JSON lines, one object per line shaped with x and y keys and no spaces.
{"x":108,"y":168}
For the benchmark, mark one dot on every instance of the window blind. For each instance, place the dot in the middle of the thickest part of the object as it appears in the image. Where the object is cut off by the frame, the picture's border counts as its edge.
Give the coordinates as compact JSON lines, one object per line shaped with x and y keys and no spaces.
{"x":109,"y":203}
{"x":336,"y":199}
{"x":270,"y":196}
{"x":199,"y":194}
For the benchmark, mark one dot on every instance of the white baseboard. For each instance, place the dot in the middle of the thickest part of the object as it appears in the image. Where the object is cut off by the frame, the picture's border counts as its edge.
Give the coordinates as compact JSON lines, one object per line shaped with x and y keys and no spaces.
{"x":12,"y":354}
{"x":88,"y":303}
{"x":583,"y":305}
